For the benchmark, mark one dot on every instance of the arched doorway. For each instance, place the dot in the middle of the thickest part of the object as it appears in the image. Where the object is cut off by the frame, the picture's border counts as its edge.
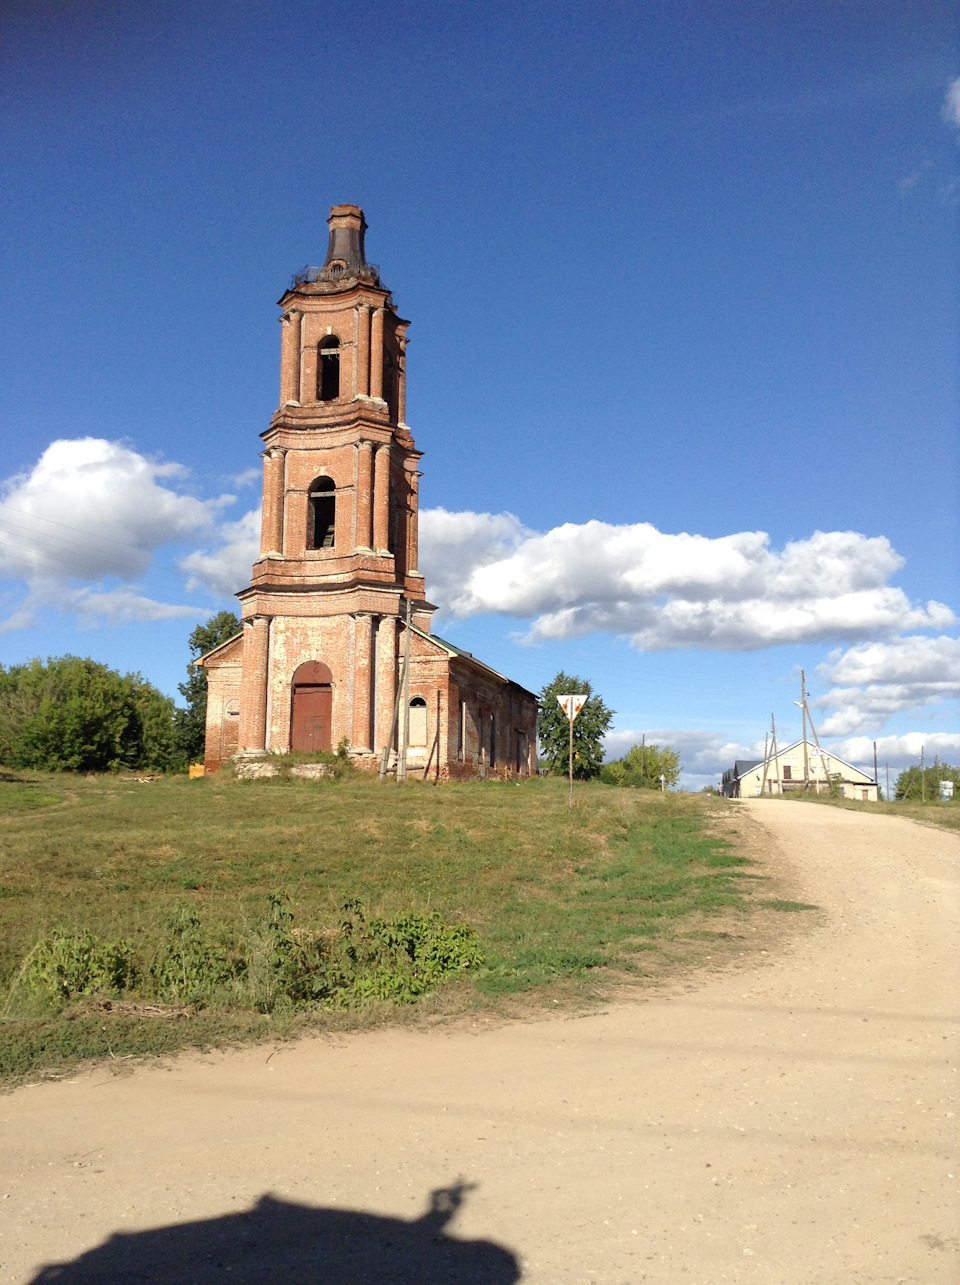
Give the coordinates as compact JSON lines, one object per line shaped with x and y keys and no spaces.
{"x":311,"y":708}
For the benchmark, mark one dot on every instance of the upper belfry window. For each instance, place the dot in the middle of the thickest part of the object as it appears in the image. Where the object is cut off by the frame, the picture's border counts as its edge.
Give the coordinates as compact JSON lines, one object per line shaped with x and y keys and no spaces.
{"x":321,"y":516}
{"x":328,"y":369}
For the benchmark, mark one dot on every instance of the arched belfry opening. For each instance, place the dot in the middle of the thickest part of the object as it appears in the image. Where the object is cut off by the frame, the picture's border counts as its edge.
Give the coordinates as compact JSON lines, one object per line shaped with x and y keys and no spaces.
{"x":322,"y":514}
{"x":311,"y":701}
{"x":328,"y":369}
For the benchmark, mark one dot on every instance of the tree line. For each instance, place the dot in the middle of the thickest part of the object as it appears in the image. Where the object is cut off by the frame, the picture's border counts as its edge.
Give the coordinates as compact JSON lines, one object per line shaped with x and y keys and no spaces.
{"x":914,"y":784}
{"x":74,"y":714}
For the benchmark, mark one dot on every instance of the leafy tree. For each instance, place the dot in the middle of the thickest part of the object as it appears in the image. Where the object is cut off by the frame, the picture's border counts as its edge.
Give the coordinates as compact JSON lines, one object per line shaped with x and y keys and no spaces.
{"x":909,"y":783}
{"x":192,"y":721}
{"x":643,"y":766}
{"x":589,"y":728}
{"x":75,"y":714}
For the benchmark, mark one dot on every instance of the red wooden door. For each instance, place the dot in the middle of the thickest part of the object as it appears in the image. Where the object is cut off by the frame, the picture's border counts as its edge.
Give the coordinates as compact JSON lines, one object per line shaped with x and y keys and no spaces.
{"x":312,"y":706}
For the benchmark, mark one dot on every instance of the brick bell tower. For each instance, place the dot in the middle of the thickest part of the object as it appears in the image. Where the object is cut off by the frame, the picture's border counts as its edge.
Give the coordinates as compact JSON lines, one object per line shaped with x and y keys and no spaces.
{"x":338,"y":548}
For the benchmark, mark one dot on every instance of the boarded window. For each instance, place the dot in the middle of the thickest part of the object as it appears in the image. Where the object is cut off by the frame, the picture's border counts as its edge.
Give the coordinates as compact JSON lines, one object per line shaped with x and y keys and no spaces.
{"x":418,"y":722}
{"x":328,"y":369}
{"x":788,"y":772}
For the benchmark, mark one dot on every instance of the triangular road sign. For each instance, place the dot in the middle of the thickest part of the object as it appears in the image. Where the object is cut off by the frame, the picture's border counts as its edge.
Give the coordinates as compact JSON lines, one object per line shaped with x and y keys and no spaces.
{"x":572,"y":703}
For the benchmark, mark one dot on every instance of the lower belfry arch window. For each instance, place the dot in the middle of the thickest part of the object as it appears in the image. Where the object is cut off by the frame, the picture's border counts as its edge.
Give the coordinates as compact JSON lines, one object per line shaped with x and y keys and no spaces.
{"x":418,"y":722}
{"x":322,"y":514}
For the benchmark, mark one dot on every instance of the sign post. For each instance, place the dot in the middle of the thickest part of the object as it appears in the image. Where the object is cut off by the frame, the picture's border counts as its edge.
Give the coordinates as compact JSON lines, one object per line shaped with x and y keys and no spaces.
{"x":572,"y":703}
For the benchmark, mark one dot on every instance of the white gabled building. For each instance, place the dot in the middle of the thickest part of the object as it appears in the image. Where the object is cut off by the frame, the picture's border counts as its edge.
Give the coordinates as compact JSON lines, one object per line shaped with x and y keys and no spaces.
{"x":784,"y":774}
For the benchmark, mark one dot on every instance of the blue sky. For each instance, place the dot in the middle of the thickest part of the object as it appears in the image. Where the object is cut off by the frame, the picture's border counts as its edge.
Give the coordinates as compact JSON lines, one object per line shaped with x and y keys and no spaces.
{"x":673,"y":270}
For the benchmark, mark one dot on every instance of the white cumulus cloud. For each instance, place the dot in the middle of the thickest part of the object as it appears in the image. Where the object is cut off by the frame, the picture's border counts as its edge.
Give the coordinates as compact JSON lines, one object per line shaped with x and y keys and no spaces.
{"x":899,"y":751}
{"x":668,"y":590}
{"x":874,"y":681}
{"x":91,"y":509}
{"x":454,"y":546}
{"x":227,"y":568}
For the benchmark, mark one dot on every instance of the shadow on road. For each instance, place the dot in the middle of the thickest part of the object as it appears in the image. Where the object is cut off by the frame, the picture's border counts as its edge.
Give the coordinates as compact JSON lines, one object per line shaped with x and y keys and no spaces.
{"x":279,"y":1243}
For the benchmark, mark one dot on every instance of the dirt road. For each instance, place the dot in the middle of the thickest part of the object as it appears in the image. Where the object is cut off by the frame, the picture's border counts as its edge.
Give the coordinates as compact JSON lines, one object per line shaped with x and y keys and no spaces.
{"x":791,"y":1123}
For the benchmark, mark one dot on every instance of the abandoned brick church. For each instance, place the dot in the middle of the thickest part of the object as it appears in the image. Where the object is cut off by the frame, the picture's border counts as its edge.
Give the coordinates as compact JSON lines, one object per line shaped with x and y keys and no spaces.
{"x":320,"y":656}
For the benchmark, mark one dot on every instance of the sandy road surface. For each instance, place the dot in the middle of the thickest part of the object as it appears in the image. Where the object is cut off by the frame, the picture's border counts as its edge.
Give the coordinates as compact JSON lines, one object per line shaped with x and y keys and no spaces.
{"x":793,"y":1122}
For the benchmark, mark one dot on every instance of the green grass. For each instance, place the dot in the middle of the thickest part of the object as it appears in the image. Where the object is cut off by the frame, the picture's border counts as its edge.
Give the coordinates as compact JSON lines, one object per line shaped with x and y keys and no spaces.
{"x":563,"y":901}
{"x":19,"y":794}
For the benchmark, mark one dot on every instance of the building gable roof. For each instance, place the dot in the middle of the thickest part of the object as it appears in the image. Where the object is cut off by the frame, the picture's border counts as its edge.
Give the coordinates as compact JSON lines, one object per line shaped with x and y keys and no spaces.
{"x":797,"y":745}
{"x":458,"y":653}
{"x":215,"y":651}
{"x":742,"y":766}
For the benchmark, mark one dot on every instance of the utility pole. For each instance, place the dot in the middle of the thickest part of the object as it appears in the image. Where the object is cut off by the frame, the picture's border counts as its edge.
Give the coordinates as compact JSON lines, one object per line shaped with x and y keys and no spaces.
{"x":923,"y":784}
{"x":803,"y":711}
{"x":887,"y":765}
{"x":819,"y":750}
{"x":876,"y":778}
{"x":774,"y":754}
{"x":405,"y":719}
{"x":763,"y":783}
{"x":385,"y":756}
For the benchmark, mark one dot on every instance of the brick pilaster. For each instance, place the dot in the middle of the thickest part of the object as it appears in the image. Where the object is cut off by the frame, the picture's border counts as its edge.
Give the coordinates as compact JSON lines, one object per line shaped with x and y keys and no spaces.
{"x":413,"y":526}
{"x":253,"y":693}
{"x":362,"y":683}
{"x":381,"y":500}
{"x":363,"y":350}
{"x":402,"y":383}
{"x":386,"y":678}
{"x":364,"y":494}
{"x":290,"y":358}
{"x":376,"y":354}
{"x":271,"y":526}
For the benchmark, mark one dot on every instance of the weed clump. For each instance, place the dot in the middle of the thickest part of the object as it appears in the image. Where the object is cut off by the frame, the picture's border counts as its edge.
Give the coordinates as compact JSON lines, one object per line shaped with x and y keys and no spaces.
{"x":68,"y":965}
{"x":276,"y":967}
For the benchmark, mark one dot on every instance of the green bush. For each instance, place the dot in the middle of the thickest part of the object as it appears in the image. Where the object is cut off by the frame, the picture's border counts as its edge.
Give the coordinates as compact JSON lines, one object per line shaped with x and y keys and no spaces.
{"x":642,"y":767}
{"x":188,"y":967}
{"x":74,"y":714}
{"x":912,"y":784}
{"x":67,"y":965}
{"x":276,"y":966}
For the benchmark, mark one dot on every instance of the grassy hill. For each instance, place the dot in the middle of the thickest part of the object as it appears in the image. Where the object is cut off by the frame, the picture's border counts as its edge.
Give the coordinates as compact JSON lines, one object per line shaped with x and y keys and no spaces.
{"x":554,"y":904}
